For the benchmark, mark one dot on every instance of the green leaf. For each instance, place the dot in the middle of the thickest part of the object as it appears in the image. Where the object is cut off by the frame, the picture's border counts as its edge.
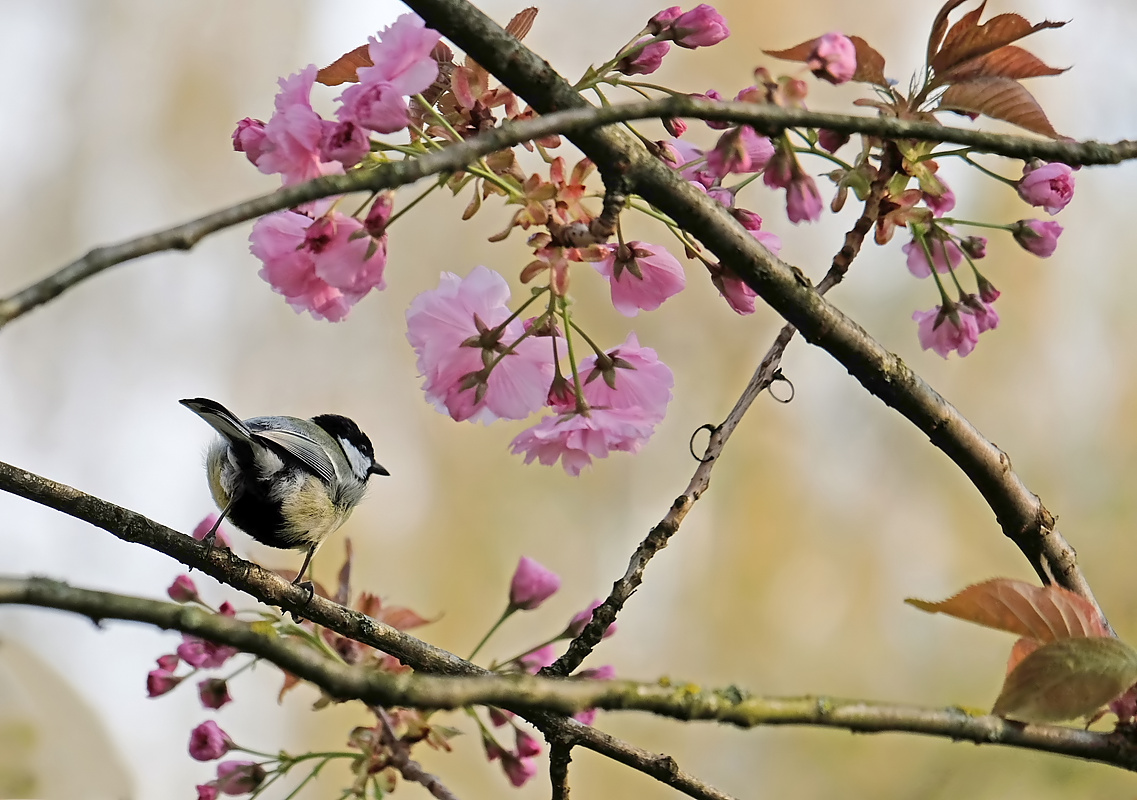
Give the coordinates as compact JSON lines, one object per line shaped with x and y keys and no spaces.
{"x":1067,"y":679}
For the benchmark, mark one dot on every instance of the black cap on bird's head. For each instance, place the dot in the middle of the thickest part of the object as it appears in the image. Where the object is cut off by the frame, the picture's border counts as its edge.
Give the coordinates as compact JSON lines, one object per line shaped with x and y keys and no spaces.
{"x":345,"y":431}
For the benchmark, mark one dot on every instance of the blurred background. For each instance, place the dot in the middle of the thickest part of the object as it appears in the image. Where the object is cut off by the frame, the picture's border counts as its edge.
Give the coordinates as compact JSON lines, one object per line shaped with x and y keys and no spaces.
{"x":787,"y":578}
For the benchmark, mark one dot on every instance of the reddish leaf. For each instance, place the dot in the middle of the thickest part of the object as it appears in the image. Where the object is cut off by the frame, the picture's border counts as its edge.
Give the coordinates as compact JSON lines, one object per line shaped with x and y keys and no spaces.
{"x":1045,"y":613}
{"x":344,"y":69}
{"x":977,"y":40}
{"x":1067,"y":679}
{"x":940,"y":26}
{"x":968,"y":22}
{"x":395,"y":616}
{"x":870,"y":63}
{"x":521,"y":23}
{"x":1022,"y":649}
{"x":1006,"y":62}
{"x":998,"y":98}
{"x":799,"y":52}
{"x":290,"y":683}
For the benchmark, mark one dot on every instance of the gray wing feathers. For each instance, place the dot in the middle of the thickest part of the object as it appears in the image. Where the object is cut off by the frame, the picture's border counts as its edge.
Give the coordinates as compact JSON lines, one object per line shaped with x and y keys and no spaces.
{"x":309,"y":452}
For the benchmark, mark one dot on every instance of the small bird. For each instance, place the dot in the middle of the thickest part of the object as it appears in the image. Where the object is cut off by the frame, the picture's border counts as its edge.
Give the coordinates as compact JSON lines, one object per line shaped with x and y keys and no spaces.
{"x":287,"y":482}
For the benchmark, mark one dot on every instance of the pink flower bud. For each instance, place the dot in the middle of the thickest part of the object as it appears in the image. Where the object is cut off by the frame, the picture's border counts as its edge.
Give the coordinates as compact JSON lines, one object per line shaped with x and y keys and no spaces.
{"x":662,"y":20}
{"x":249,"y":138}
{"x":831,"y":141}
{"x":974,"y":246}
{"x":239,"y":777}
{"x":202,"y":654}
{"x":803,"y":201}
{"x":182,"y":590}
{"x":227,"y":610}
{"x":207,"y":791}
{"x":946,"y":254}
{"x":586,"y":717}
{"x":1037,"y":236}
{"x":987,"y":291}
{"x":213,"y":693}
{"x":740,"y":150}
{"x":208,"y":742}
{"x":532,"y":585}
{"x":159,"y":681}
{"x":1050,"y":186}
{"x":499,"y":716}
{"x":518,"y":770}
{"x":538,"y":659}
{"x":577,"y":623}
{"x":833,"y":58}
{"x":527,"y":746}
{"x":646,"y":61}
{"x":675,"y":127}
{"x":380,"y":213}
{"x":712,"y":94}
{"x":702,"y":26}
{"x":168,"y":662}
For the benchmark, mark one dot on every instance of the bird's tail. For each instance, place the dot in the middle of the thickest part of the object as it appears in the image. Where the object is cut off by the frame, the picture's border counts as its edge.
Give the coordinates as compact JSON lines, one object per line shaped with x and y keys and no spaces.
{"x":220,"y":419}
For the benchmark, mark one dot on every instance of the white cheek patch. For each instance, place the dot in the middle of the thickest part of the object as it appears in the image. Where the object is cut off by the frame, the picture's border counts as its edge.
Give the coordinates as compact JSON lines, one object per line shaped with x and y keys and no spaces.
{"x":360,"y":463}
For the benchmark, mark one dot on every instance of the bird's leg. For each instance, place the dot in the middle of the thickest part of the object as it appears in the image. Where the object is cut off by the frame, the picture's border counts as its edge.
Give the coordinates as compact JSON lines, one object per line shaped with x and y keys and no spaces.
{"x":210,"y":537}
{"x":299,"y":579}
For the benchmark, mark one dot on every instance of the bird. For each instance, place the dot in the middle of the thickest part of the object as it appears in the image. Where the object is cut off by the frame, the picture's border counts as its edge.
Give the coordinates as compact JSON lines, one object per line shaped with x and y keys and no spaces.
{"x":286,"y":482}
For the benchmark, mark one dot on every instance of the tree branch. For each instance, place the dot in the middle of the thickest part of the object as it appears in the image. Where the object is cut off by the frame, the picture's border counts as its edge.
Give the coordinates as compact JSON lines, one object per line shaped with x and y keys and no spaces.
{"x":526,"y":694}
{"x":1019,"y":512}
{"x":271,"y":589}
{"x":768,"y":119}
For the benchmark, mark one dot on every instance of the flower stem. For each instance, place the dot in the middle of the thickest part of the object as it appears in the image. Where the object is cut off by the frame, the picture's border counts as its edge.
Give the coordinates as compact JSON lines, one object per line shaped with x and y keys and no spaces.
{"x":493,"y":629}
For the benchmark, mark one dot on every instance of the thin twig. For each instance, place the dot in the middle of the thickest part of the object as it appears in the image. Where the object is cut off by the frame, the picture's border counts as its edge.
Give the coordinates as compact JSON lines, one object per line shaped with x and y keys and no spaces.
{"x":560,"y":756}
{"x":401,"y":760}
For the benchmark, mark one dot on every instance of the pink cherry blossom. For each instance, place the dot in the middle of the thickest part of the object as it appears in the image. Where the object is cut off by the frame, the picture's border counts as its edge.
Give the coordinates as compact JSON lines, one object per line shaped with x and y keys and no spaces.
{"x":316,"y":265}
{"x":239,"y":777}
{"x":687,"y":153}
{"x":531,"y":585}
{"x":946,"y":254}
{"x":633,"y":380}
{"x":576,"y":438}
{"x":713,"y":94}
{"x":803,"y":201}
{"x":582,"y":618}
{"x":941,"y":203}
{"x":740,"y":150}
{"x":291,"y":145}
{"x":986,"y":318}
{"x":1050,"y":186}
{"x":452,"y":326}
{"x":401,"y":66}
{"x":344,"y":142}
{"x":641,"y":275}
{"x":208,"y":742}
{"x":646,"y":61}
{"x":702,"y":26}
{"x":833,"y":58}
{"x":734,"y":290}
{"x":940,"y":332}
{"x":182,"y":590}
{"x":1037,"y":236}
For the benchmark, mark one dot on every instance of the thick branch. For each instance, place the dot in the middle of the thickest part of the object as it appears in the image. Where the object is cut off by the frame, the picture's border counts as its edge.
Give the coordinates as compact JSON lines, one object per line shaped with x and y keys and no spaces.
{"x":524,"y":693}
{"x":1019,"y":512}
{"x":270,"y":588}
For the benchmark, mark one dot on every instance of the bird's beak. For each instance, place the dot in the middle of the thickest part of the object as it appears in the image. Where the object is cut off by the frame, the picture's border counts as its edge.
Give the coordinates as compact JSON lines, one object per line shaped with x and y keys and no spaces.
{"x":377,"y":469}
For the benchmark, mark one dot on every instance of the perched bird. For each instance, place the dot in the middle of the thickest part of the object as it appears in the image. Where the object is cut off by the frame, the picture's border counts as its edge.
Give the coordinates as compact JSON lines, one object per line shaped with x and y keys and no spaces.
{"x":286,"y":482}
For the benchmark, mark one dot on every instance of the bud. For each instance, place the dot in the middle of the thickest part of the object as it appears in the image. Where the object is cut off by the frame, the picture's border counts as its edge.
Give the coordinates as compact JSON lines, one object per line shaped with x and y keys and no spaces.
{"x":531,"y":585}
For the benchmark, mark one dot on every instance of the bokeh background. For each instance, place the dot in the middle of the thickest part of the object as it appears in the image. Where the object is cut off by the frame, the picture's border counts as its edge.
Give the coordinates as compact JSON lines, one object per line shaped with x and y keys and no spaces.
{"x":787,"y":578}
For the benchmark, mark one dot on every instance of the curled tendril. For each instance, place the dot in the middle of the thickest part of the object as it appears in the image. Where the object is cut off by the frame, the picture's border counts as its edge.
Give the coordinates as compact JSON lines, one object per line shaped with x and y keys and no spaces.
{"x":712,"y":429}
{"x":778,"y":376}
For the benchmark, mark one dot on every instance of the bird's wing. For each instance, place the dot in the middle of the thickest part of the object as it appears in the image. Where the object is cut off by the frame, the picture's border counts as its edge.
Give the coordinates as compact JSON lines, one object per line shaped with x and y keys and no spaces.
{"x":310,"y":453}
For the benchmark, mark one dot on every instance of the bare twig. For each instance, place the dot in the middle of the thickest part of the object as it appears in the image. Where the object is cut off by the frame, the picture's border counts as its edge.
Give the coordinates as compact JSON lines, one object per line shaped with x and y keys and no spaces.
{"x":410,"y":769}
{"x":560,"y":756}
